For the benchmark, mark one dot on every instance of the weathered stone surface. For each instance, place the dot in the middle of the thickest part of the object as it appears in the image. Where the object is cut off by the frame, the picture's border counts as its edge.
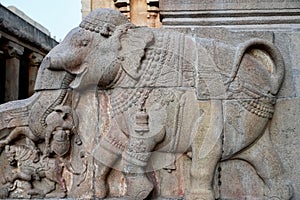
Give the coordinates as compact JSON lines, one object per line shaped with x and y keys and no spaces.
{"x":85,"y":7}
{"x":132,"y":112}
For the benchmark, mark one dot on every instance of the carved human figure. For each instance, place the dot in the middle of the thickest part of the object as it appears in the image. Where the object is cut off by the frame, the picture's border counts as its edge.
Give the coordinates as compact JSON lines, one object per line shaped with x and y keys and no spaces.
{"x":50,"y":169}
{"x":154,"y":80}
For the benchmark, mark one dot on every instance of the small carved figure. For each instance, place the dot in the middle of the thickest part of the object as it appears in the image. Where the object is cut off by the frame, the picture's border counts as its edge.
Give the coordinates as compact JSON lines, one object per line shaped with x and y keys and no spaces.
{"x":49,"y":169}
{"x":60,"y":124}
{"x":61,"y":117}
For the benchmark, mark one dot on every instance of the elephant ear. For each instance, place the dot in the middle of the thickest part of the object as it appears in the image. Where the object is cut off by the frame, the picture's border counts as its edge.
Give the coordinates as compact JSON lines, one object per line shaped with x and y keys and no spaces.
{"x":134,"y":42}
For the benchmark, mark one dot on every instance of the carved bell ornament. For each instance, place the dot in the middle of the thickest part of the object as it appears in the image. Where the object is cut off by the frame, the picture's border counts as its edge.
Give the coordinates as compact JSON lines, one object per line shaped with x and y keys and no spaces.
{"x":142,"y":122}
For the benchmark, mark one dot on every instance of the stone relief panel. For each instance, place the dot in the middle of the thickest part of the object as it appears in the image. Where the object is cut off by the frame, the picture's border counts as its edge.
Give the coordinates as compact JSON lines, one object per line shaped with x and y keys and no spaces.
{"x":131,"y":112}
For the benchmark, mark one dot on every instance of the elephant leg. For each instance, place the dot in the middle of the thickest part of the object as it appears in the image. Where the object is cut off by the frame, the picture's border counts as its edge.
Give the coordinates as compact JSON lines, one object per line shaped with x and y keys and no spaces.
{"x":263,"y":157}
{"x":102,"y":171}
{"x":206,"y":153}
{"x":106,"y":154}
{"x":135,"y":162}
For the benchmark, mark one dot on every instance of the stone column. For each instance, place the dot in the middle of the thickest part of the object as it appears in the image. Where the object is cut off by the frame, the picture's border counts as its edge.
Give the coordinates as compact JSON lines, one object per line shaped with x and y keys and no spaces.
{"x":138,"y":12}
{"x":103,"y":4}
{"x":153,"y":13}
{"x":13,"y":52}
{"x":86,"y":7}
{"x":35,"y":60}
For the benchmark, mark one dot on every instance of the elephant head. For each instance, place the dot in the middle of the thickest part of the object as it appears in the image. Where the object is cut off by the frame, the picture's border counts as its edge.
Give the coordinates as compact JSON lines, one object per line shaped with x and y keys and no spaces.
{"x":95,"y":52}
{"x":62,"y":117}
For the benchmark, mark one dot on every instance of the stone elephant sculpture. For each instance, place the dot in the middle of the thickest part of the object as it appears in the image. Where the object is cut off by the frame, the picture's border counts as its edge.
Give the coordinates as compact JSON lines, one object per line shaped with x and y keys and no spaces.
{"x":167,"y":91}
{"x":154,"y":81}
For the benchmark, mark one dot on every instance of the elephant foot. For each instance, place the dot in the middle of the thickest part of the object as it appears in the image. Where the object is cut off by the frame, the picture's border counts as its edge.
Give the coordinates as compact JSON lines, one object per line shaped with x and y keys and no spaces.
{"x":138,"y":187}
{"x":200,"y":195}
{"x":101,"y":188}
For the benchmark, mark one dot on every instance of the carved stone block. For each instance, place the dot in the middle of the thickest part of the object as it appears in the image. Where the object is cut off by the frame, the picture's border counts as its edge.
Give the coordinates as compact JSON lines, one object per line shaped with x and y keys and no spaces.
{"x":122,"y":111}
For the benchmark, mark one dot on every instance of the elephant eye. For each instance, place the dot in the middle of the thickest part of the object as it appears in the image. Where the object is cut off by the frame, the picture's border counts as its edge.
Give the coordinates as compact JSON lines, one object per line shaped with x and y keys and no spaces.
{"x":84,"y":43}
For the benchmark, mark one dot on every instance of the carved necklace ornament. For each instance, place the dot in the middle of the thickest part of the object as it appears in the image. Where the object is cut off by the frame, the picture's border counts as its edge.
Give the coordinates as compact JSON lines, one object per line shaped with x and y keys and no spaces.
{"x":261,"y":108}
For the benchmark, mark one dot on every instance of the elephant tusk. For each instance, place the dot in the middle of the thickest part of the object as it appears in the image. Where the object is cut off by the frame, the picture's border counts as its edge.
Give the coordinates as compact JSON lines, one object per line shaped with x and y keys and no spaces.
{"x":78,"y":79}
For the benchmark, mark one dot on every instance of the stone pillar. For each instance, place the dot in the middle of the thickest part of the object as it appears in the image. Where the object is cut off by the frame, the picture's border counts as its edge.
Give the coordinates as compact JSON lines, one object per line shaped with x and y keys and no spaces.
{"x":153,"y":13}
{"x":138,"y":12}
{"x":103,"y":4}
{"x":35,"y":60}
{"x":123,"y":6}
{"x":13,"y":52}
{"x":86,"y":7}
